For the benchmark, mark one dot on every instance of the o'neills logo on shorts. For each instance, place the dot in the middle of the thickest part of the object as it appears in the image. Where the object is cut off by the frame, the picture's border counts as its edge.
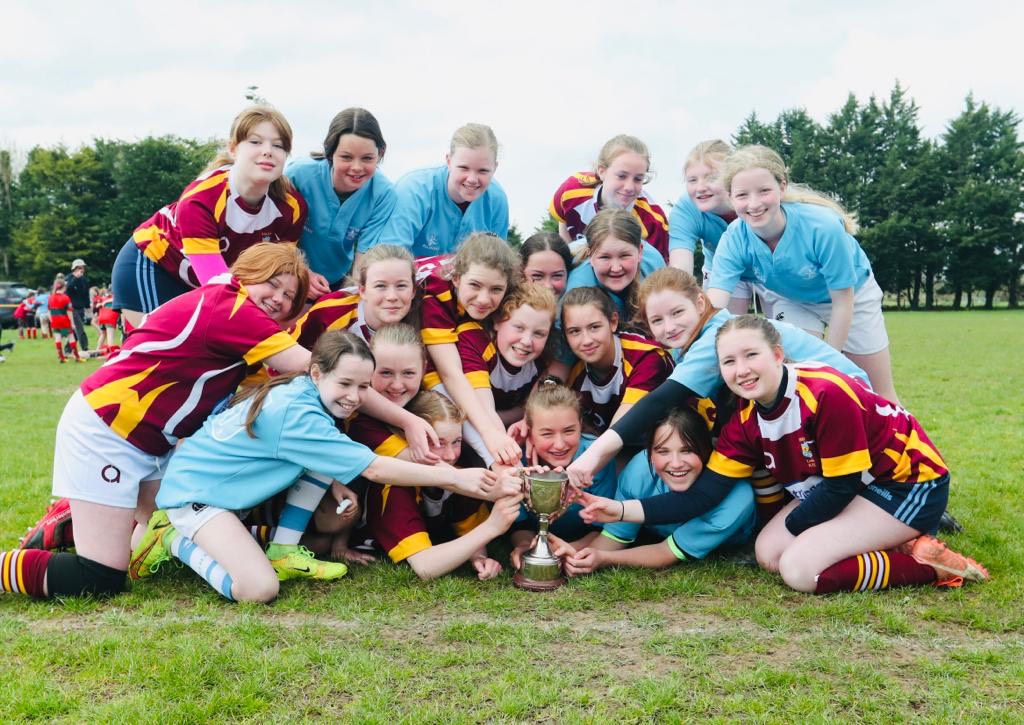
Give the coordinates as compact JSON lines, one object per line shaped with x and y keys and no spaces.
{"x":111,"y":474}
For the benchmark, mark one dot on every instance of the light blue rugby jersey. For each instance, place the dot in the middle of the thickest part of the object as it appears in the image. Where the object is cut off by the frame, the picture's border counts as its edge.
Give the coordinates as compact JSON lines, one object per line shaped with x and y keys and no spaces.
{"x":687,"y":224}
{"x":222,"y":466}
{"x":428,"y":222}
{"x":731,"y":521}
{"x":814,"y":255}
{"x":335,"y":231}
{"x":583,"y":274}
{"x":699,"y":367}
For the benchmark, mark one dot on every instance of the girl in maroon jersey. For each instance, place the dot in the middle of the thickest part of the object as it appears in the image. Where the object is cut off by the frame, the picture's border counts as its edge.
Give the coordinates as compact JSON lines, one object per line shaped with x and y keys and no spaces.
{"x":616,"y":369}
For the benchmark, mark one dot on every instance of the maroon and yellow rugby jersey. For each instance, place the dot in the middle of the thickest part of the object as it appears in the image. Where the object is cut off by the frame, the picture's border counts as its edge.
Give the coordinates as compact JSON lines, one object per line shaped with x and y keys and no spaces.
{"x":338,"y":310}
{"x":575,"y":205}
{"x":640,"y":366}
{"x":210,"y":218}
{"x":827,"y":424}
{"x":188,"y":355}
{"x":484,"y":367}
{"x":440,"y":311}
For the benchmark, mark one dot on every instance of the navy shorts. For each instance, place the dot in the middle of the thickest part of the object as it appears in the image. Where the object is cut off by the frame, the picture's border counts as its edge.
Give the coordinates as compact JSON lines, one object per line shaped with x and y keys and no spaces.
{"x":139,"y":283}
{"x":918,"y":505}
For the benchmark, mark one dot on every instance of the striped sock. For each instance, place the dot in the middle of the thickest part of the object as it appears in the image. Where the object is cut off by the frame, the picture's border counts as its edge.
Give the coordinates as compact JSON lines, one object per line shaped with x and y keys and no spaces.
{"x":262,"y":533}
{"x":303,"y":498}
{"x":769,"y":496}
{"x":874,"y":570}
{"x":202,"y":564}
{"x":23,"y":571}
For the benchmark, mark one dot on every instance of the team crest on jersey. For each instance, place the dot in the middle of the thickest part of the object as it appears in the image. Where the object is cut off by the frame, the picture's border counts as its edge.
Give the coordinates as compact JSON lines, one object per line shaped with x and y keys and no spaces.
{"x":808,"y":272}
{"x":266,"y":237}
{"x":805,"y":450}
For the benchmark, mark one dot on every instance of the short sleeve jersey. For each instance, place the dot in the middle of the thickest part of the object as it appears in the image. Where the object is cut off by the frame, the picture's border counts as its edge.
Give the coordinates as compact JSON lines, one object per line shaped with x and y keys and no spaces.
{"x":375,"y":435}
{"x":577,"y":201}
{"x":440,"y":311}
{"x":187,"y":356}
{"x":698,"y":370}
{"x":640,"y":366}
{"x":688,"y":225}
{"x":336,"y":230}
{"x":814,"y":255}
{"x":222,"y":465}
{"x":827,"y":424}
{"x":426,"y":220}
{"x":211,"y":218}
{"x":484,"y":367}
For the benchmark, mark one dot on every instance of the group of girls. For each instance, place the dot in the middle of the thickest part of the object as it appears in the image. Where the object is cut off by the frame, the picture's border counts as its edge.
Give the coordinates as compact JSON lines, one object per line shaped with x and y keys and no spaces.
{"x":584,"y":343}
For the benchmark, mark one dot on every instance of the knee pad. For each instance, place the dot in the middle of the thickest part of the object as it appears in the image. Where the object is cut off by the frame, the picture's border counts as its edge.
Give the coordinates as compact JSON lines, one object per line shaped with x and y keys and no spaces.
{"x":70,"y":575}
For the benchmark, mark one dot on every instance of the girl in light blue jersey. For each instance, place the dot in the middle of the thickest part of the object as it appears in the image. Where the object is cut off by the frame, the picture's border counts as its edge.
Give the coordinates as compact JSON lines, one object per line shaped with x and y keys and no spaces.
{"x":260,"y":446}
{"x":799,"y":244}
{"x":702,"y":214}
{"x":349,"y":200}
{"x":439,"y":207}
{"x":679,"y":447}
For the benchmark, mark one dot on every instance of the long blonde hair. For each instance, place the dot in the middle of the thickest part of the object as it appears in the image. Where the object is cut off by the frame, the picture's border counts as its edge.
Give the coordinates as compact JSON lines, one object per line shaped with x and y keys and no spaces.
{"x":762,"y":157}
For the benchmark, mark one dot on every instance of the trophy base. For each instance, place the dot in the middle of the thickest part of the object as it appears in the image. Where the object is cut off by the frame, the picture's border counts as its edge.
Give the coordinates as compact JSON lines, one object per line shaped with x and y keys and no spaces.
{"x":535,"y":585}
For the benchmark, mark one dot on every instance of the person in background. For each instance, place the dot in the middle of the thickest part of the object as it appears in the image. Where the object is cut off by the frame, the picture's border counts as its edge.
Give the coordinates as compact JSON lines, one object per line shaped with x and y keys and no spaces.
{"x":78,"y":290}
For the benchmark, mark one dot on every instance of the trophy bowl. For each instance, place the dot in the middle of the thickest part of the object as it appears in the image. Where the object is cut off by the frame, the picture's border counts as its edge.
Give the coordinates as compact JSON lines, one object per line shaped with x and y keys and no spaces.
{"x":545,"y":497}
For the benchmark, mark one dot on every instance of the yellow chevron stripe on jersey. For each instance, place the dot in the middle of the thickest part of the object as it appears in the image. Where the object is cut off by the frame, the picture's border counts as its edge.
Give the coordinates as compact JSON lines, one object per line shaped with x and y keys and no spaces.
{"x":209,"y":182}
{"x":392,"y":446}
{"x":292,"y":202}
{"x":631,"y":395}
{"x":570,"y":194}
{"x":853,"y":462}
{"x":834,"y":379}
{"x":157,"y":243}
{"x":728,"y":467}
{"x":807,"y":396}
{"x":274,"y":344}
{"x":221,"y":205}
{"x":240,"y":297}
{"x":746,"y":411}
{"x":130,"y":408}
{"x":438,"y":336}
{"x":646,"y":206}
{"x":554,"y":212}
{"x":200,"y":245}
{"x":478,"y":379}
{"x":431,"y":380}
{"x":913,"y":442}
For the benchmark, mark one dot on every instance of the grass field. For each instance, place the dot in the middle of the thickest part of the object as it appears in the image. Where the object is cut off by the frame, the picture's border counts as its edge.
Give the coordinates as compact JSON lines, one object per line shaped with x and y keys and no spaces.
{"x":714,"y":640}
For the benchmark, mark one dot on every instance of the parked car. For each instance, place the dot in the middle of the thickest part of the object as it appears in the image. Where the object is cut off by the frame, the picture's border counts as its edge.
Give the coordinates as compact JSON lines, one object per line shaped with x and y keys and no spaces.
{"x":11,"y":295}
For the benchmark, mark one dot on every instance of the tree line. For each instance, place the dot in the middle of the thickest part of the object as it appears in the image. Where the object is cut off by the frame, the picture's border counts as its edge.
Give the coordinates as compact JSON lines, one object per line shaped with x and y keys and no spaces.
{"x":940,"y":216}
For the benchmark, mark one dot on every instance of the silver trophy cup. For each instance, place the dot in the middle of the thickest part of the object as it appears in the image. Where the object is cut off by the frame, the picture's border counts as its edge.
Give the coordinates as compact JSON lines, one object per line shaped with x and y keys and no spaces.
{"x":545,"y":495}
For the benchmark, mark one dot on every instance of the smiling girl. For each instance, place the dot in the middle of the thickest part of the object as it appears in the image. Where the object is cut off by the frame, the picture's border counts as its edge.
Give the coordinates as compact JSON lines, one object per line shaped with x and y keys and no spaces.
{"x":617,"y":182}
{"x":242,"y":198}
{"x":702,"y":214}
{"x":118,"y":431}
{"x":615,"y":369}
{"x":439,"y":207}
{"x":385,"y":295}
{"x":546,"y":260}
{"x":799,"y":244}
{"x":258,"y":447}
{"x":349,"y":200}
{"x":436,"y":531}
{"x":482,"y":272}
{"x":675,"y":457}
{"x":501,"y":363}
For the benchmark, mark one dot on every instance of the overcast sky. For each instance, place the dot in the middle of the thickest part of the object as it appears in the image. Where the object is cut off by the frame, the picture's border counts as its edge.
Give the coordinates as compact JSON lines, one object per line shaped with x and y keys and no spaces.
{"x":554,"y":79}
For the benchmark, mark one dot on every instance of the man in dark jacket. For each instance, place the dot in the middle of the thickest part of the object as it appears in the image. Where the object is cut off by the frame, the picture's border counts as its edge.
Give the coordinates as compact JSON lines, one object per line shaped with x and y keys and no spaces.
{"x":78,"y":291}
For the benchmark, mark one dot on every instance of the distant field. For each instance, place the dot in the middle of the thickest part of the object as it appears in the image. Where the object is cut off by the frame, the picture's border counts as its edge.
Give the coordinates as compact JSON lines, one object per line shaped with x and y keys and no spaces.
{"x":714,"y":640}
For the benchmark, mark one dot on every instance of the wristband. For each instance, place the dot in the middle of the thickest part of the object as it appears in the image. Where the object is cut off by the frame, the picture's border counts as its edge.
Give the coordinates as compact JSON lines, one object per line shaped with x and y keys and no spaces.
{"x":622,"y":516}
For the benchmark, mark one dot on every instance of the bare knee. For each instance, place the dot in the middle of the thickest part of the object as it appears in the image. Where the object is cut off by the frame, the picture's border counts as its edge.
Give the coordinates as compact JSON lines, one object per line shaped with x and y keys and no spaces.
{"x":767,"y":554}
{"x":797,"y":572}
{"x":261,"y":589}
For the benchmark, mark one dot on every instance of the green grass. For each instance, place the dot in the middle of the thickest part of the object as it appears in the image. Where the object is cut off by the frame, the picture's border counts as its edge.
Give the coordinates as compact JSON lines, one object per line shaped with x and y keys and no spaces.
{"x":714,"y":640}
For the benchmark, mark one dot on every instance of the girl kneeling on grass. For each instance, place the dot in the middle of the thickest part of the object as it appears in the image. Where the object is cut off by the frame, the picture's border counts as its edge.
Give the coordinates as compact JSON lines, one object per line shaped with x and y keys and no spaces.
{"x":869,"y":486}
{"x":258,"y":447}
{"x":675,"y":457}
{"x":406,"y":522}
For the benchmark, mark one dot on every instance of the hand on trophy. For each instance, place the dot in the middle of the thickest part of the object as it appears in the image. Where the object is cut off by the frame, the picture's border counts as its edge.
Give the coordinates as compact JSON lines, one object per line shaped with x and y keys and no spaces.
{"x":585,"y":561}
{"x":510,"y":482}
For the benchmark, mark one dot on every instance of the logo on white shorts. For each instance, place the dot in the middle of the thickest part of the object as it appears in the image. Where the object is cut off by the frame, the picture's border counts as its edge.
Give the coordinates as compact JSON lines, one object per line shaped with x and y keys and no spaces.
{"x":111,"y":474}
